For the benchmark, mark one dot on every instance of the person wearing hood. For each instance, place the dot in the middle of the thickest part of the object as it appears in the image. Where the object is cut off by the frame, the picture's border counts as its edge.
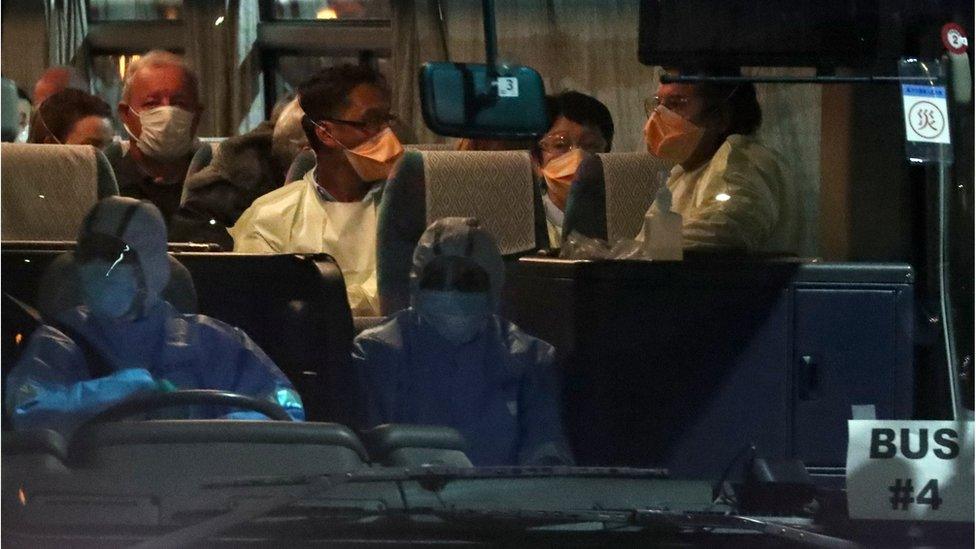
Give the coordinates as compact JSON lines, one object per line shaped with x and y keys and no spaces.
{"x":580,"y":125}
{"x":333,"y":208}
{"x":160,"y":110}
{"x":244,"y":167}
{"x":733,"y":193}
{"x":126,"y":340}
{"x":449,"y":360}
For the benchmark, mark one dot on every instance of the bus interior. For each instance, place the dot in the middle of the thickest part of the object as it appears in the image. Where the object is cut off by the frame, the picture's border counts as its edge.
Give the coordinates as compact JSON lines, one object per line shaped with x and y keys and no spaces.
{"x":706,"y":401}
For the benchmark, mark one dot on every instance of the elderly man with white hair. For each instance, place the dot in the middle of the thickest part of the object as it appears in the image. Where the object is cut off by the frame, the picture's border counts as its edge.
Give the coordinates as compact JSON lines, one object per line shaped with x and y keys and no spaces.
{"x":160,"y":110}
{"x":243,"y":168}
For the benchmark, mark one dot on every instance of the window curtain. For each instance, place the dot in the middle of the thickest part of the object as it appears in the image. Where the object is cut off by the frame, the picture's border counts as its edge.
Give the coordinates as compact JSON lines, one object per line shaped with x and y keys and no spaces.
{"x":589,"y":46}
{"x":67,"y":25}
{"x":220,"y":47}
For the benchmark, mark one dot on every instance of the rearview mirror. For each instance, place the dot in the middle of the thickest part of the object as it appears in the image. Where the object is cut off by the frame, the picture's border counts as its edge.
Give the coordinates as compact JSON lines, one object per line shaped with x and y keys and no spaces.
{"x":483,"y":101}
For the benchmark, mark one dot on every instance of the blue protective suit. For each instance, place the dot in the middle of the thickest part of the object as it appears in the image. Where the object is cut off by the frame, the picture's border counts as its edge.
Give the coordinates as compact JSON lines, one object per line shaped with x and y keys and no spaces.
{"x":51,"y":387}
{"x":500,"y":390}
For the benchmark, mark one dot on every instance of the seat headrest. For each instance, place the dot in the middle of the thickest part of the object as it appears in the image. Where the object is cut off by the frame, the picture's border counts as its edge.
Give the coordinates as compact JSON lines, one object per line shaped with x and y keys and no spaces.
{"x":495,"y":187}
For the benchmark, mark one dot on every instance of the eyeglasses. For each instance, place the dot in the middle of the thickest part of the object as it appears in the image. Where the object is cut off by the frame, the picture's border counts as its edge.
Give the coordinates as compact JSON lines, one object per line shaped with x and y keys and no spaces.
{"x":671,"y":102}
{"x":372,"y":123}
{"x":560,"y":143}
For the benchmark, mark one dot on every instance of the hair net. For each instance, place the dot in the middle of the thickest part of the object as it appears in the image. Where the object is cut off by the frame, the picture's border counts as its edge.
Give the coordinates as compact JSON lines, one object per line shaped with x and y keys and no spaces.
{"x":459,"y":237}
{"x":140,"y":225}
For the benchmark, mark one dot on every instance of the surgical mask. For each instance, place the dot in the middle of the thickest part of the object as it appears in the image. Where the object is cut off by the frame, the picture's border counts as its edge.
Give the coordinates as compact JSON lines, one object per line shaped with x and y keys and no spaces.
{"x":457,"y":316}
{"x":109,"y":292}
{"x":670,"y":136}
{"x":167,"y":132}
{"x":374,"y":158}
{"x":559,"y":173}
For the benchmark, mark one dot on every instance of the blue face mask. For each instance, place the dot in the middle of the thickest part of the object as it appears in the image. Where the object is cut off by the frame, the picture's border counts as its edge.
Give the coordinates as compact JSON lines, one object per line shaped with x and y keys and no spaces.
{"x":108,"y":297}
{"x":457,"y":316}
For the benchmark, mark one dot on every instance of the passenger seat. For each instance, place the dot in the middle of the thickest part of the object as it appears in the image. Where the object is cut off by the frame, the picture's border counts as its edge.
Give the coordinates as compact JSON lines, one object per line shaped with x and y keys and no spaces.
{"x":611,"y":194}
{"x":48,"y":189}
{"x":494,"y":186}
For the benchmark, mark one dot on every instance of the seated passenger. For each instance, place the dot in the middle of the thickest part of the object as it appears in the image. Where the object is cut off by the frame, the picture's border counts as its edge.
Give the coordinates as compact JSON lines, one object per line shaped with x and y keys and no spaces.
{"x":24,"y":111}
{"x":333,"y":207}
{"x":160,"y":109}
{"x":580,"y":124}
{"x":125,"y":340}
{"x":72,"y":117}
{"x":732,"y":192}
{"x":449,"y":360}
{"x":56,"y":79}
{"x":243,"y":168}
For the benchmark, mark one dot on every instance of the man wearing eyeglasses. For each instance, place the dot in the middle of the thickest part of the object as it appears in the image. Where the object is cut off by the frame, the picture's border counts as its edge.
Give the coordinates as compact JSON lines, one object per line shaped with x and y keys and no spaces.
{"x":732,"y":192}
{"x":333,"y":208}
{"x":580,"y":124}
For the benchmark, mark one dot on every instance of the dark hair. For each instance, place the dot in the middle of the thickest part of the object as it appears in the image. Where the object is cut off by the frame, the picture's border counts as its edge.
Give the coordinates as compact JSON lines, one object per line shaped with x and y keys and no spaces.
{"x":327,"y":92}
{"x":582,"y":109}
{"x":57,"y":115}
{"x":745,"y":113}
{"x":447,"y":272}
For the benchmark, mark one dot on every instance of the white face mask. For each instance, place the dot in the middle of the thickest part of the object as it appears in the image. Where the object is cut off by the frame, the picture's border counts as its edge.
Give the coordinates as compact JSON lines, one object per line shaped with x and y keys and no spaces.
{"x":166,"y":132}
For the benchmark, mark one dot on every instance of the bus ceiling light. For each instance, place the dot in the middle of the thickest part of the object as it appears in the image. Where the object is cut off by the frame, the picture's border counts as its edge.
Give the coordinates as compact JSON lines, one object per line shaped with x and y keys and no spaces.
{"x":219,"y":21}
{"x":326,"y":13}
{"x":722,"y":197}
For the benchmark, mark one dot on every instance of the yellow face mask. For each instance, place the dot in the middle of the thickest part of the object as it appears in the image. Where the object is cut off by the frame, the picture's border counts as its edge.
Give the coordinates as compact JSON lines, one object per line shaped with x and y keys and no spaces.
{"x":560,"y":173}
{"x":670,"y":136}
{"x":374,"y":158}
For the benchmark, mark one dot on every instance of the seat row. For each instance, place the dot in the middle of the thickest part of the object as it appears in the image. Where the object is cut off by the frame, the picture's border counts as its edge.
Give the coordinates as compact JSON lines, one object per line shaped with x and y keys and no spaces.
{"x":48,"y":191}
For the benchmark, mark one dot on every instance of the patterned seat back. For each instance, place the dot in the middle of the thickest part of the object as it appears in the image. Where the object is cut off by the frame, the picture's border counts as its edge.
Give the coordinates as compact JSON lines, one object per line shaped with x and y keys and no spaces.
{"x":631,"y":181}
{"x":48,"y":189}
{"x":494,"y":186}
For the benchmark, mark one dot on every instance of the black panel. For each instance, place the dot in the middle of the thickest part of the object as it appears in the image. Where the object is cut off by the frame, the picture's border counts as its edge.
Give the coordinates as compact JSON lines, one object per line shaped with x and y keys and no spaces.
{"x":805,"y":33}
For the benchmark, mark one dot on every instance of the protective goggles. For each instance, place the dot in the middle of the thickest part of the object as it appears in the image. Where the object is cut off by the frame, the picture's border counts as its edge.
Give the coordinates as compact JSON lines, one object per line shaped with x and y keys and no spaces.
{"x":103,"y":247}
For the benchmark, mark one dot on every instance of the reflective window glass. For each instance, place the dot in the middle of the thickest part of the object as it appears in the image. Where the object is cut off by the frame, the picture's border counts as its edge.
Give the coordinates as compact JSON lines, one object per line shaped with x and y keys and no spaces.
{"x":332,"y":9}
{"x":292,"y":70}
{"x":134,"y":10}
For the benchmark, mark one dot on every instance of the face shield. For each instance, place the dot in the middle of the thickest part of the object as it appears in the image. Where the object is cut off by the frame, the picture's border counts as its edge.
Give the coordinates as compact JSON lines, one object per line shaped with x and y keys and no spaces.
{"x":121,"y":258}
{"x":456,"y":278}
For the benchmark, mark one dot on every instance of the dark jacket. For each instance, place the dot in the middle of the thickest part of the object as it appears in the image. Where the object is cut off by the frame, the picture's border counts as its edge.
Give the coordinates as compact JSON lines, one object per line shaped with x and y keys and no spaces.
{"x":243,"y":169}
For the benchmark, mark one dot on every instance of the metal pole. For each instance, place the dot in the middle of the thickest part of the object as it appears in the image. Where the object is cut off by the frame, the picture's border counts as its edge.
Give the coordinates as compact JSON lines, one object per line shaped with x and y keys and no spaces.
{"x":945,"y":300}
{"x":491,"y":36}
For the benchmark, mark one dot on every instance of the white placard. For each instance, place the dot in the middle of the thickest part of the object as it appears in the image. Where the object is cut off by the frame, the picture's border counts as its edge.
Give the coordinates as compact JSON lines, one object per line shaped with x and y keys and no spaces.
{"x":910,"y":470}
{"x":926,"y":113}
{"x":508,"y":86}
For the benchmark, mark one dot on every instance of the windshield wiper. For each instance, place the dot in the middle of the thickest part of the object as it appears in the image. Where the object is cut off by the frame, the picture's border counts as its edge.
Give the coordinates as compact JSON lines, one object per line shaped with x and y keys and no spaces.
{"x":445,"y":473}
{"x":671,"y":520}
{"x":433,"y":477}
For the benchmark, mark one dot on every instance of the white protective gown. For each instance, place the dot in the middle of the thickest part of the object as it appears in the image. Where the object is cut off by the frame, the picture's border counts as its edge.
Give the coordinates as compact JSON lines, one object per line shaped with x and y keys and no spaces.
{"x":743,"y":198}
{"x":298,"y":218}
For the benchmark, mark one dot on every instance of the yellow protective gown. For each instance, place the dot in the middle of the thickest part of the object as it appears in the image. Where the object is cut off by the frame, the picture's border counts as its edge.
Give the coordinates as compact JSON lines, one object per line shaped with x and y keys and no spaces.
{"x":743,"y":198}
{"x":297,"y":219}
